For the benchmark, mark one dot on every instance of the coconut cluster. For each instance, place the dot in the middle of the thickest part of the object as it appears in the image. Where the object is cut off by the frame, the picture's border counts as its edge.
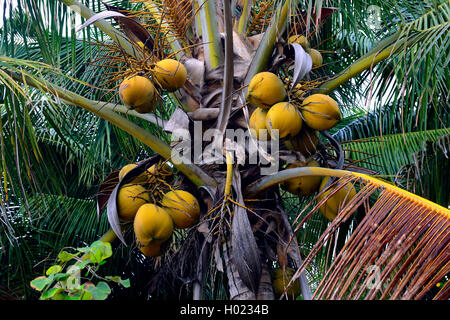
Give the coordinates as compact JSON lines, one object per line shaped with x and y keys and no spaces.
{"x":268,"y":94}
{"x":139,"y":93}
{"x":153,"y":223}
{"x":298,"y":125}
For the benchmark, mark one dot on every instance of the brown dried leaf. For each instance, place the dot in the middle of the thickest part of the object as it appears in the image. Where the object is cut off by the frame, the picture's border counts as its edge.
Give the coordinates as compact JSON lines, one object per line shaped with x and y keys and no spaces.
{"x":245,"y":251}
{"x":178,"y":120}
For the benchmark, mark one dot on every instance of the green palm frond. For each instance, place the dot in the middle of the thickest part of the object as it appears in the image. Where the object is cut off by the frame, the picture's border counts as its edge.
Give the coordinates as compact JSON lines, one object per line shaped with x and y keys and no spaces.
{"x":422,"y":68}
{"x":427,"y":174}
{"x":389,"y":153}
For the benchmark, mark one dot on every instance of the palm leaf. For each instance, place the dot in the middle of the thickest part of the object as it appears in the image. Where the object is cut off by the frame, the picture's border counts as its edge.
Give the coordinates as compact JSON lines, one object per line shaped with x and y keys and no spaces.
{"x":400,"y":236}
{"x":390,"y":152}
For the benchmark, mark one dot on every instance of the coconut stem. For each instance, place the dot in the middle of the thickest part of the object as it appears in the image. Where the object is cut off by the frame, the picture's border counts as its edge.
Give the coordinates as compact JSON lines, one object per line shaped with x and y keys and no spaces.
{"x":243,"y":19}
{"x":106,"y":27}
{"x":225,"y":108}
{"x":210,"y":34}
{"x":280,"y":177}
{"x":265,"y":49}
{"x":229,"y":179}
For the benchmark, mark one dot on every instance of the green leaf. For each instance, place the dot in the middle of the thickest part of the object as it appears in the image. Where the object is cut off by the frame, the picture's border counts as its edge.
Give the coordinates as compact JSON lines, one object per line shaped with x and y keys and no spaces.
{"x":87,"y":296}
{"x":125,"y":283}
{"x":84,"y":249}
{"x":100,"y":251}
{"x":61,"y":276}
{"x":75,"y":295}
{"x":100,"y":291}
{"x":65,"y":256}
{"x":61,"y":296}
{"x":50,"y":293}
{"x":73,"y":269}
{"x":81,"y":265}
{"x":53,"y":269}
{"x":40,"y":283}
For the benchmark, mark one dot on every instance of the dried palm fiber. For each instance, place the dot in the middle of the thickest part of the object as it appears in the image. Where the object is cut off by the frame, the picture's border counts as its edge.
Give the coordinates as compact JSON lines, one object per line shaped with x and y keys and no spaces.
{"x":173,"y":17}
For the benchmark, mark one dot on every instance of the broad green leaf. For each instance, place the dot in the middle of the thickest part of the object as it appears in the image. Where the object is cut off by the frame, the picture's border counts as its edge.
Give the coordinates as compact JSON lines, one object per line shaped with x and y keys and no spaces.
{"x":100,"y":291}
{"x":75,"y":295}
{"x":53,"y":269}
{"x":81,"y":265}
{"x":40,"y":283}
{"x":73,"y":269}
{"x":61,"y":276}
{"x":84,"y":249}
{"x":50,"y":293}
{"x":61,"y":296}
{"x":65,"y":256}
{"x":100,"y":251}
{"x":87,"y":296}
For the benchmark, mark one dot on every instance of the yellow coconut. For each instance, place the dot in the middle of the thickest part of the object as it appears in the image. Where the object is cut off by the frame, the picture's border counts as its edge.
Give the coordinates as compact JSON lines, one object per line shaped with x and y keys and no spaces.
{"x":331,"y":207}
{"x":301,"y":40}
{"x":152,"y":249}
{"x":320,"y":112}
{"x":305,"y":142}
{"x":280,"y":281}
{"x":127,"y":168}
{"x":145,"y":176}
{"x":129,"y":199}
{"x":183,"y":207}
{"x":265,"y":89}
{"x":170,"y":74}
{"x":159,"y":169}
{"x":257,"y":122}
{"x":316,"y":58}
{"x":142,"y":178}
{"x":286,"y":118}
{"x":152,"y":223}
{"x":303,"y":186}
{"x":139,"y":94}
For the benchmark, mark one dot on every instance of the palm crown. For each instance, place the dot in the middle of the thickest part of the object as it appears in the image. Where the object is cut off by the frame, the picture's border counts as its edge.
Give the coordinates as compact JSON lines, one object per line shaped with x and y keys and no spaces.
{"x":66,"y":133}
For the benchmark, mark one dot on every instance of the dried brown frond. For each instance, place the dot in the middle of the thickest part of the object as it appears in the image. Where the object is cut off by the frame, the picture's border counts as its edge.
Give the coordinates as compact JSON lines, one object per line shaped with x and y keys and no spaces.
{"x":399,"y":250}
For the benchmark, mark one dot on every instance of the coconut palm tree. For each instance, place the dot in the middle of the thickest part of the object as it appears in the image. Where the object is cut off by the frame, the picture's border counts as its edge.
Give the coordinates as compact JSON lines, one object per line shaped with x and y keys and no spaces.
{"x":66,"y":133}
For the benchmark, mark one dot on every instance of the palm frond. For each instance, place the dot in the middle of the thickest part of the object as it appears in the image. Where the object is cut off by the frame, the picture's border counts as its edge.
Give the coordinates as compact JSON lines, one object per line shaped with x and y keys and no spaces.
{"x":402,"y":237}
{"x":389,"y":153}
{"x":397,"y":251}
